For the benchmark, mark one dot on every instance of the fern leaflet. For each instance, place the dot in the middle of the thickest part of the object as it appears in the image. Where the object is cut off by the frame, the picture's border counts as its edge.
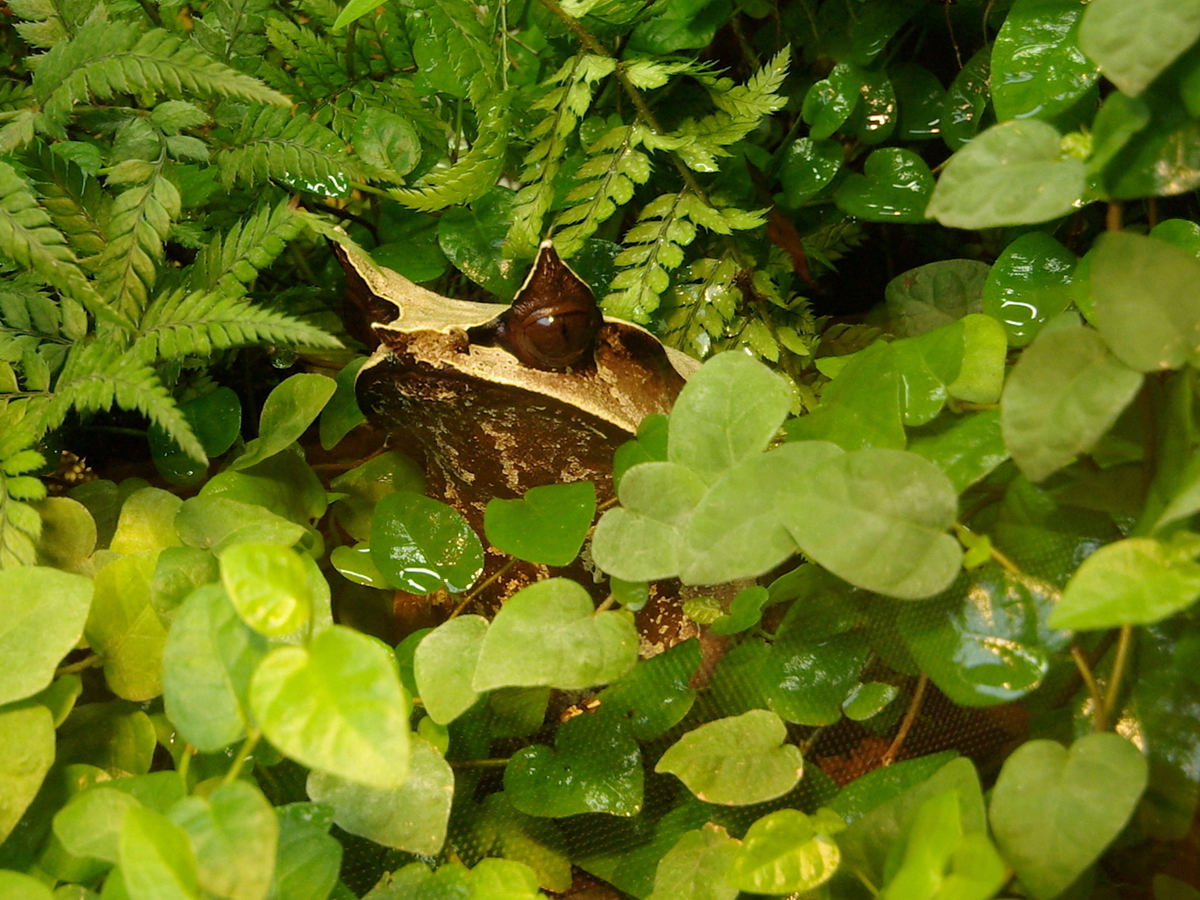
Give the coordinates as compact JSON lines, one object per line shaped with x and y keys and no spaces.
{"x":231,"y":261}
{"x":199,"y":323}
{"x":20,"y":524}
{"x":271,"y":144}
{"x":109,"y":58}
{"x":74,"y":200}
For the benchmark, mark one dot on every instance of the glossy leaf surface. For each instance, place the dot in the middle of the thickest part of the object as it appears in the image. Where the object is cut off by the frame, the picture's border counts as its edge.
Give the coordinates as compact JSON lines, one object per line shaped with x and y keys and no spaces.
{"x":1038,"y":69}
{"x":548,"y":525}
{"x":420,"y":544}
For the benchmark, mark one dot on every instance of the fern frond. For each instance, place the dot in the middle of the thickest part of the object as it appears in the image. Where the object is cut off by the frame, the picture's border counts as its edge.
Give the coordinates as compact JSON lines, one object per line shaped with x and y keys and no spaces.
{"x":833,"y":241}
{"x":102,"y":373}
{"x":140,"y":220}
{"x":740,"y":108}
{"x":18,"y":130}
{"x":318,"y":64}
{"x":653,"y":247}
{"x":603,"y":183}
{"x":29,"y":238}
{"x":20,"y":524}
{"x":565,"y":106}
{"x":271,"y":144}
{"x":702,"y":305}
{"x":232,"y":260}
{"x":109,"y":58}
{"x":46,"y":22}
{"x":197,"y":324}
{"x":472,"y":176}
{"x":73,"y":198}
{"x":15,"y":95}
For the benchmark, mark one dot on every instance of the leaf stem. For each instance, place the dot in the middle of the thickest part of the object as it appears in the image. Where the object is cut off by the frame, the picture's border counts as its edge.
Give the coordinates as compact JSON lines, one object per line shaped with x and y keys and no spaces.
{"x":252,"y":739}
{"x":1112,"y":697}
{"x":479,"y":587}
{"x":185,"y":763}
{"x":86,"y":663}
{"x":478,"y":763}
{"x":1100,"y":719}
{"x":910,"y":716}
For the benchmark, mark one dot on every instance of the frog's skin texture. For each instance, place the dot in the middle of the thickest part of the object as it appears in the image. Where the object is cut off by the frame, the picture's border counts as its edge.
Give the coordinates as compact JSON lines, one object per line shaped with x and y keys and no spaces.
{"x":448,"y":387}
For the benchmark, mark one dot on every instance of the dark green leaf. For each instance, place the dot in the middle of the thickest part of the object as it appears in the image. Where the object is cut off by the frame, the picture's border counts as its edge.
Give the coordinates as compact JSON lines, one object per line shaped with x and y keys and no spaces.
{"x":420,"y":544}
{"x":1029,"y":285}
{"x":895,"y":187}
{"x":1134,"y":44}
{"x":547,"y":526}
{"x":1038,"y":69}
{"x":288,"y":411}
{"x":341,"y":414}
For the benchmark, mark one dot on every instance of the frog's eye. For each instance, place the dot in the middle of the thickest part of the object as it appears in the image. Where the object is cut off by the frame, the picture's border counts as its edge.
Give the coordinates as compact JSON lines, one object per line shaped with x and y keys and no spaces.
{"x":554,"y":319}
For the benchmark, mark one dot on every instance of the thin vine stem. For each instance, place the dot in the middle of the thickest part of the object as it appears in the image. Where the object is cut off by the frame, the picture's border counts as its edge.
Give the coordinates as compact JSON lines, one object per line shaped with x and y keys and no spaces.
{"x":1100,"y":719}
{"x":244,"y":753}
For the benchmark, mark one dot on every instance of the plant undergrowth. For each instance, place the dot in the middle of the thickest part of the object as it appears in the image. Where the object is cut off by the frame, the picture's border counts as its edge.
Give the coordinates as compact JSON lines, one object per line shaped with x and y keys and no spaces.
{"x":932,"y":492}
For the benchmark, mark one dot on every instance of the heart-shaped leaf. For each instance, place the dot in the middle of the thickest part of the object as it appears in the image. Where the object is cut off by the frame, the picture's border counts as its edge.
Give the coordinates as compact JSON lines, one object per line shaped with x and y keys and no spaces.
{"x":90,"y":824}
{"x":1133,"y":44}
{"x":1136,"y":581}
{"x":576,"y":647}
{"x":1037,"y":66}
{"x":268,"y":586}
{"x":44,"y":615}
{"x":1012,"y":174}
{"x":895,"y":186}
{"x":287,"y":412}
{"x":829,"y":102}
{"x":547,"y":526}
{"x":412,"y":817}
{"x":209,"y":658}
{"x":808,"y":165}
{"x":1065,"y":391}
{"x":786,"y":851}
{"x":235,"y":835}
{"x":125,"y":629}
{"x":965,"y":448}
{"x":593,"y":767}
{"x":729,"y":410}
{"x":444,"y":664}
{"x":1029,"y":285}
{"x":157,"y":860}
{"x":1053,"y":811}
{"x":936,"y":294}
{"x":878,"y":519}
{"x":736,"y":761}
{"x":655,"y":695}
{"x":420,"y":544}
{"x":336,"y":705}
{"x":695,"y":867}
{"x":25,"y":757}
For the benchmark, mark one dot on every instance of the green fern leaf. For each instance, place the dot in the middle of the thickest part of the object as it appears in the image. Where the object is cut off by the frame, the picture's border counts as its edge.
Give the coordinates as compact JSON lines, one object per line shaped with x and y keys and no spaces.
{"x":319,"y":66}
{"x":199,"y":323}
{"x":740,"y":109}
{"x":29,"y":238}
{"x":74,"y":200}
{"x":701,"y":306}
{"x":98,"y":375}
{"x":109,"y":58}
{"x":46,"y":23}
{"x":565,"y":106}
{"x":138,"y":225}
{"x":472,"y":176}
{"x":603,"y":184}
{"x":453,"y":26}
{"x":653,"y":247}
{"x":292,"y":149}
{"x":14,"y":96}
{"x":19,"y":129}
{"x":232,"y":260}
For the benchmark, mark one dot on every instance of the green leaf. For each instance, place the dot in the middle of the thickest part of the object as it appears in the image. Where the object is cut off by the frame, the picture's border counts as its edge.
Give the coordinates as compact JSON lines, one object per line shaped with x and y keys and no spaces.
{"x":593,"y":767}
{"x":387,"y":141}
{"x":736,"y":761}
{"x":288,"y":411}
{"x":577,"y":646}
{"x":1038,"y":69}
{"x":868,"y":700}
{"x":25,"y":757}
{"x":146,"y":521}
{"x":216,"y":420}
{"x":309,"y":858}
{"x":1133,"y":44}
{"x":1137,"y":581}
{"x":420,"y":544}
{"x":16,"y":886}
{"x":472,"y":239}
{"x":728,"y":411}
{"x":208,"y":661}
{"x":1012,"y":174}
{"x":157,"y":862}
{"x":1029,"y":285}
{"x":365,"y":484}
{"x":877,"y":518}
{"x":341,"y":414}
{"x":45,"y":612}
{"x":965,"y":448}
{"x":655,"y":694}
{"x":921,"y":98}
{"x":986,"y":644}
{"x":1146,"y":307}
{"x":936,"y":294}
{"x":895,"y":186}
{"x":807,"y":166}
{"x":967,"y":100}
{"x":830,"y":102}
{"x":337,"y":706}
{"x":650,"y":445}
{"x":353,"y":10}
{"x":125,"y":629}
{"x":695,"y":868}
{"x":215,"y":523}
{"x":547,"y":526}
{"x":1054,"y":811}
{"x":861,"y":407}
{"x":1066,"y":390}
{"x":783,"y":852}
{"x":444,"y":666}
{"x":268,"y":586}
{"x":412,"y":817}
{"x":235,"y":835}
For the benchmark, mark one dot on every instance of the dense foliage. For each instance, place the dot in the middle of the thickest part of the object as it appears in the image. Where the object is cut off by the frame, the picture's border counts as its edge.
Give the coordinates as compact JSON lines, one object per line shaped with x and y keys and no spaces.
{"x":940,"y":466}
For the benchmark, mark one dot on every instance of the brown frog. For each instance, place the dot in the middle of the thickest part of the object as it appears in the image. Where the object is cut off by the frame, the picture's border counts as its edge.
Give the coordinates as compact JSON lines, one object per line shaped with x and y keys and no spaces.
{"x":497,"y":402}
